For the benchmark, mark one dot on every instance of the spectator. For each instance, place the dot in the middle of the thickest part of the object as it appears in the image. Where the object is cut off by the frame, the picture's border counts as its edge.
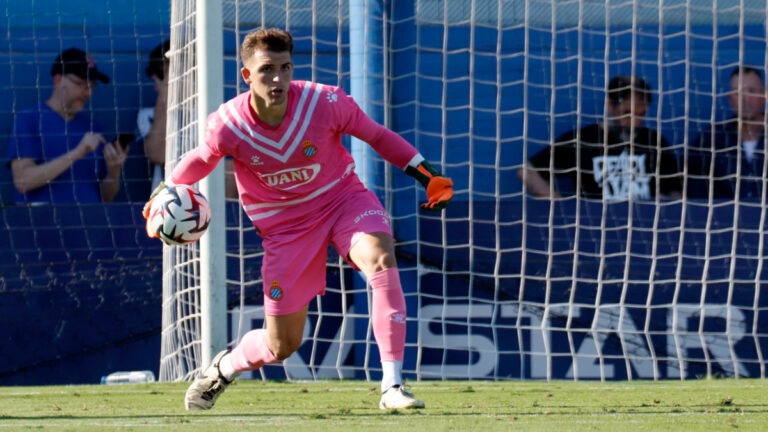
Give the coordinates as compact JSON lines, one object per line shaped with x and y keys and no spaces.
{"x":56,"y":153}
{"x":616,"y":159}
{"x":151,"y":121}
{"x":737,"y":144}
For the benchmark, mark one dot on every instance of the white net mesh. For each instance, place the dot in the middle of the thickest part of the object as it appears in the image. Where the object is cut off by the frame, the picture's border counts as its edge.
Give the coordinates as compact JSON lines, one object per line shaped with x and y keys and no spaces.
{"x":503,"y":285}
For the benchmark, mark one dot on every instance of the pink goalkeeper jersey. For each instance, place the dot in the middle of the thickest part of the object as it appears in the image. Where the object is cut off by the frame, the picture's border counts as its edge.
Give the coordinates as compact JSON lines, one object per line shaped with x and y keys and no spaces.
{"x":301,"y":164}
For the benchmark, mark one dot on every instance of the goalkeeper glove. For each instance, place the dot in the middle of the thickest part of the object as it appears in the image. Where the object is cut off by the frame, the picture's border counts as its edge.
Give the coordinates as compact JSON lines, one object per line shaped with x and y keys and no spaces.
{"x":439,"y":188}
{"x":148,"y":207}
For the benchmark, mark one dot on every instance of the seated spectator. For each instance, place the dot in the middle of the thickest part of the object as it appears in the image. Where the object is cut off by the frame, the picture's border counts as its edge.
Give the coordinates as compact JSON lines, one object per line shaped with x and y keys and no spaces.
{"x":56,"y":153}
{"x":728,"y":160}
{"x":151,"y":121}
{"x":616,"y":159}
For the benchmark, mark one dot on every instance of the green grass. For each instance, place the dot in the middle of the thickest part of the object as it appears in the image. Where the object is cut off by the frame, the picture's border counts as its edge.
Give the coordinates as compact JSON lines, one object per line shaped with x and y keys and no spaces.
{"x":697,"y":405}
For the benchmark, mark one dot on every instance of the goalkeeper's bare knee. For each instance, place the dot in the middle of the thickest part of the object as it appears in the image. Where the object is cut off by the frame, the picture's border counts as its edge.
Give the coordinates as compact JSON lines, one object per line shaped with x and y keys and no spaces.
{"x":373,"y":253}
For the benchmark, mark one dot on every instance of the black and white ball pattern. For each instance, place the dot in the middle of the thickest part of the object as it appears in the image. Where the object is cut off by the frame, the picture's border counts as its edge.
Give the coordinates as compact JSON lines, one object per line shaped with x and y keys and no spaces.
{"x":179,"y":215}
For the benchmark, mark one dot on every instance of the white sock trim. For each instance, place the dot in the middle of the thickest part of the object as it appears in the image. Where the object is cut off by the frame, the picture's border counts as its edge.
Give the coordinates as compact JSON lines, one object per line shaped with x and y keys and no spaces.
{"x":415,"y":161}
{"x":391,"y":374}
{"x":226,"y":369}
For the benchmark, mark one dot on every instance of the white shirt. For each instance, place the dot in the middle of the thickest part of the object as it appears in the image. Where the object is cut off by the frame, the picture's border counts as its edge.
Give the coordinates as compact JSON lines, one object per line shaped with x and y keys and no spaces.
{"x":144,"y":120}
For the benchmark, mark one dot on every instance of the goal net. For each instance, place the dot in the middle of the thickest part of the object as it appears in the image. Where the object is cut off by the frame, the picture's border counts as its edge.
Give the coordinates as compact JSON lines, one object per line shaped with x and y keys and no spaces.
{"x":504,"y":284}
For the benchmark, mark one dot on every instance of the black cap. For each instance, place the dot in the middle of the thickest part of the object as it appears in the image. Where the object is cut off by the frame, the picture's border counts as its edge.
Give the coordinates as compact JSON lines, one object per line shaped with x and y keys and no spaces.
{"x":77,"y":62}
{"x":157,"y":60}
{"x":620,"y":88}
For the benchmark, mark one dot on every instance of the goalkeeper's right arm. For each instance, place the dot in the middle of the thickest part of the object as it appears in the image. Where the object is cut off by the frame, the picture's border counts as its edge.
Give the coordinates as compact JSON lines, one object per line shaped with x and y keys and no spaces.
{"x":191,"y":169}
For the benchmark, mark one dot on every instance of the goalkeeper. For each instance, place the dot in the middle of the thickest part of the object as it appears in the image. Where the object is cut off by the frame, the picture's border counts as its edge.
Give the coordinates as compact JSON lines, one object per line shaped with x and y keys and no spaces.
{"x":297,"y":184}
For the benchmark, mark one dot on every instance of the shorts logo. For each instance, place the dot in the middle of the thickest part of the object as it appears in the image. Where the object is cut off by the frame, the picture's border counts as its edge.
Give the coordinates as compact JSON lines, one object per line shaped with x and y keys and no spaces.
{"x":367,"y":213}
{"x":275,"y":292}
{"x":310,"y":150}
{"x":398,"y":318}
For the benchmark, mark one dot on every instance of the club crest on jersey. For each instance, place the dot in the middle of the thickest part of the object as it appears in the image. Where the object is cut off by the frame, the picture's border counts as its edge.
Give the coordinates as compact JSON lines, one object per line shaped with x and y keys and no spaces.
{"x":275,"y":292}
{"x":332,"y":96}
{"x":292,"y":177}
{"x":310,"y":150}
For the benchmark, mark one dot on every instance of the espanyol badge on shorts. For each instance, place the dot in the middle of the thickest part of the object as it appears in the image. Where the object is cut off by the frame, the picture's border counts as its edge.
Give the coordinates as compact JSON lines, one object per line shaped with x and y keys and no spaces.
{"x":275,"y":292}
{"x":310,"y":150}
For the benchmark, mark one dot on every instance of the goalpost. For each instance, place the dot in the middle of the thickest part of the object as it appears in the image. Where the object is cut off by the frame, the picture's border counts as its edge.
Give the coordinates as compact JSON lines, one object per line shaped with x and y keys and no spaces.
{"x":501,"y":285}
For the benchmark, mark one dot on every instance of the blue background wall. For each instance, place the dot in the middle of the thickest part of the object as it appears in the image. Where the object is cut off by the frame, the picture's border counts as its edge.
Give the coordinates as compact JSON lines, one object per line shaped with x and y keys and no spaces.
{"x":430,"y":85}
{"x":80,"y":288}
{"x":551,"y":90}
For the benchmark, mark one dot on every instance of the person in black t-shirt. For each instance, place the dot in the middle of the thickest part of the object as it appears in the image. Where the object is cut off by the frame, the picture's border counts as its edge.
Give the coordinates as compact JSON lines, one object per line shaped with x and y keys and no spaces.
{"x":617,"y":159}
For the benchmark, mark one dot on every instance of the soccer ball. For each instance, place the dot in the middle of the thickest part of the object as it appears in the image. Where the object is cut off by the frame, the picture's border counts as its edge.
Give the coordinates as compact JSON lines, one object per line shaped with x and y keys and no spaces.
{"x":179,"y":215}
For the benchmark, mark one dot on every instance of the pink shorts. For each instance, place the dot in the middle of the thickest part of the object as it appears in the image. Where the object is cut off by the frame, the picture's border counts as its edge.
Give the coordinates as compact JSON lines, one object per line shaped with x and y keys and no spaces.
{"x":295,"y":255}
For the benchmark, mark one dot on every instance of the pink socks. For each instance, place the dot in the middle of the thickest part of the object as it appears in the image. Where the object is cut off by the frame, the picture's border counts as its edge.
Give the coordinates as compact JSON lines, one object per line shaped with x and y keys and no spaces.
{"x":388,"y":314}
{"x":252,"y":352}
{"x":387,"y":318}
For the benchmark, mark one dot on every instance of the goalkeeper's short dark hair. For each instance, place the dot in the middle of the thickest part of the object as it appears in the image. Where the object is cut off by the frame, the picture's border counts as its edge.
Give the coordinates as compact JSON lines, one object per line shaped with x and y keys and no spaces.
{"x":268,"y":39}
{"x":157,"y":60}
{"x":621,"y":88}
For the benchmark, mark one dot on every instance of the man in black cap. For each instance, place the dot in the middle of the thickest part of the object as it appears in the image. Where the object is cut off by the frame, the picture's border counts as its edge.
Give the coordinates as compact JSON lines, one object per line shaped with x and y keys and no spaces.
{"x":56,"y":153}
{"x":613,"y":160}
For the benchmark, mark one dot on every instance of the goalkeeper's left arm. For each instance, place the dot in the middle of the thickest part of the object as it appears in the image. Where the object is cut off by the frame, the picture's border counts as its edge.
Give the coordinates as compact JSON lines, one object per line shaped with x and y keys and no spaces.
{"x":439,"y":188}
{"x":396,"y":150}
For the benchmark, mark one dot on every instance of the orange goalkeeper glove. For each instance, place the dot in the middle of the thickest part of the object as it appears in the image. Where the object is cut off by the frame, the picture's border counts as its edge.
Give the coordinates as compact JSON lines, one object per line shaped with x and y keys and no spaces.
{"x":439,"y":188}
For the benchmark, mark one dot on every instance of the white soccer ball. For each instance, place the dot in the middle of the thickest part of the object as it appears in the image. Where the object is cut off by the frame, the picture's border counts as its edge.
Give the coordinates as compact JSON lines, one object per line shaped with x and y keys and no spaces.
{"x":179,"y":215}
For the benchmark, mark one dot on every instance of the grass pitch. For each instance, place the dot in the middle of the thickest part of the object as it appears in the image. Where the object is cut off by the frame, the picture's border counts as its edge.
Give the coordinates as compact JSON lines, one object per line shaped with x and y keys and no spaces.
{"x":704,"y":405}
